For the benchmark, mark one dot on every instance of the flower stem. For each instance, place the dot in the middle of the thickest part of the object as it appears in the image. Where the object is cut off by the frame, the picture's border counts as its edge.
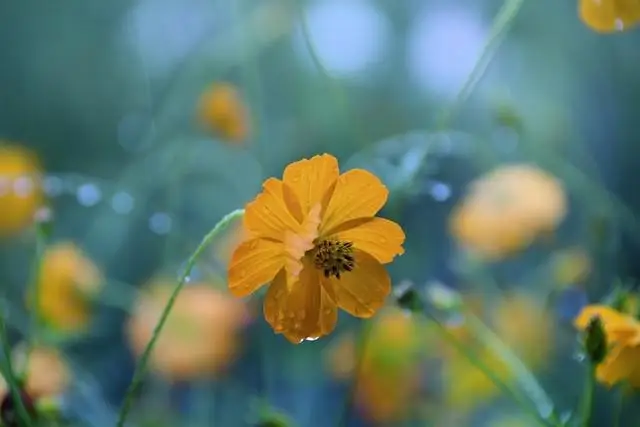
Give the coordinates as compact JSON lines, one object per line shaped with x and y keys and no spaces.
{"x":353,"y":390}
{"x":524,"y":376}
{"x":141,"y":367}
{"x":7,"y":371}
{"x":471,"y":355}
{"x":587,"y":398}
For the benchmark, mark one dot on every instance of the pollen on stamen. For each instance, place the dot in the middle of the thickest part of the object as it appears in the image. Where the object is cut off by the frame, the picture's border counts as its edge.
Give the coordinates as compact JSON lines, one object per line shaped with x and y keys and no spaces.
{"x":334,"y":257}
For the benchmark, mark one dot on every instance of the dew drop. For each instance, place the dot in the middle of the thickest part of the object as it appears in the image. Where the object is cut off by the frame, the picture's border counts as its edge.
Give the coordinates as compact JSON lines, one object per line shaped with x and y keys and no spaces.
{"x":297,"y":325}
{"x":243,"y":273}
{"x":291,"y":315}
{"x":302,"y":314}
{"x":328,"y":311}
{"x":311,"y":339}
{"x":382,"y":240}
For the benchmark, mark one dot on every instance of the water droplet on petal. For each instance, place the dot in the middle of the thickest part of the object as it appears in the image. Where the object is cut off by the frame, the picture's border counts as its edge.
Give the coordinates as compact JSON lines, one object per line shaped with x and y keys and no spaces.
{"x":328,"y":311}
{"x":311,"y":339}
{"x":301,"y":314}
{"x":297,"y":326}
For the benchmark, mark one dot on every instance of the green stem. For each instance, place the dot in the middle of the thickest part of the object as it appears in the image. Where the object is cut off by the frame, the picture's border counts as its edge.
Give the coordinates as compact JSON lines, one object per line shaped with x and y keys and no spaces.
{"x":7,"y":371}
{"x":587,"y":398}
{"x":501,"y":24}
{"x":475,"y":360}
{"x":527,"y":380}
{"x":353,"y":390}
{"x":141,"y":368}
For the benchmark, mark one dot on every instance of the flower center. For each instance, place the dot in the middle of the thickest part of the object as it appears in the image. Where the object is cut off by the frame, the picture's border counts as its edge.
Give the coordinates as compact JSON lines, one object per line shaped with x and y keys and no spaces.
{"x":333,"y":257}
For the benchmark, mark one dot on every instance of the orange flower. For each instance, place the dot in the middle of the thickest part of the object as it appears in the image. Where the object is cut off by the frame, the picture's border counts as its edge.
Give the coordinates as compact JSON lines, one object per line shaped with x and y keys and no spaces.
{"x":607,"y":16}
{"x":389,"y":374}
{"x":221,"y":110}
{"x":47,"y":373}
{"x":21,"y":194}
{"x":201,"y":335}
{"x":504,"y":211}
{"x":314,"y":236}
{"x":66,"y":282}
{"x":623,"y":335}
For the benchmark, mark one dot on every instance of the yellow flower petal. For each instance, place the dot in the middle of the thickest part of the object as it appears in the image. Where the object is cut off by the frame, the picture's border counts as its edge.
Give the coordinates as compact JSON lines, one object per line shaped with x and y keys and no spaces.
{"x":268,"y":215}
{"x":379,"y":237}
{"x":358,"y":194}
{"x":363,"y":291}
{"x":300,"y":310}
{"x":253,"y":264}
{"x":606,"y":16}
{"x":608,"y":315}
{"x":618,"y":365}
{"x":311,"y":179}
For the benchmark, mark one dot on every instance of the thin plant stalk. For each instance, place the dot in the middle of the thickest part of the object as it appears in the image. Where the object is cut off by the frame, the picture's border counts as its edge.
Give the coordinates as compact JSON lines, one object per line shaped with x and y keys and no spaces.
{"x":8,"y":372}
{"x":141,"y":367}
{"x":587,"y":398}
{"x":475,"y":360}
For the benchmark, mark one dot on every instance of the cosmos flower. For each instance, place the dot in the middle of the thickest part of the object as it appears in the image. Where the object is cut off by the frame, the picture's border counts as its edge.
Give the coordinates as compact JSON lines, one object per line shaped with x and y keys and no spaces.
{"x":607,"y":16}
{"x":622,"y":362}
{"x":505,"y":210}
{"x":313,"y":236}
{"x":66,"y":283}
{"x":222,"y":111}
{"x":21,"y":194}
{"x":202,"y":334}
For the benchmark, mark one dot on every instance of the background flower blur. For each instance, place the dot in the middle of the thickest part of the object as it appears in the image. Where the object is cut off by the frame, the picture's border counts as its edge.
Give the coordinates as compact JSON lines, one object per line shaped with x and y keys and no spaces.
{"x":128,"y":129}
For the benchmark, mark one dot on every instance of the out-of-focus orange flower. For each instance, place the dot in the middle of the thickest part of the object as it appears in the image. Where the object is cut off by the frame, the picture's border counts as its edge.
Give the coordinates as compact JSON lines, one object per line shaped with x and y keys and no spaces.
{"x":622,"y":362}
{"x":607,"y":16}
{"x":389,"y":374}
{"x":504,"y":211}
{"x":523,"y":326}
{"x":222,"y":111}
{"x":47,"y":373}
{"x":201,"y":336}
{"x":571,"y":266}
{"x":314,"y":236}
{"x":21,"y":192}
{"x":66,"y":283}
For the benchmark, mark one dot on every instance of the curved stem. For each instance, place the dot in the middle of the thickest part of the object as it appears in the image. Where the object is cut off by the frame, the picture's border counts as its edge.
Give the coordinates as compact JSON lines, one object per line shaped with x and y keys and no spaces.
{"x":141,"y":368}
{"x":475,"y":360}
{"x":501,"y":24}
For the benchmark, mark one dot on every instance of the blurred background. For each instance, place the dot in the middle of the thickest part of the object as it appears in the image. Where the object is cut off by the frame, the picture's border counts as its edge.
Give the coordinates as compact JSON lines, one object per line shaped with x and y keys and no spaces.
{"x":128,"y":129}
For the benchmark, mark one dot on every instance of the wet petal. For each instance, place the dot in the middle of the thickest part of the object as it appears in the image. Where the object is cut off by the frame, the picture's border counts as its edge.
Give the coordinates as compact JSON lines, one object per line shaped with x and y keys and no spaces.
{"x":253,"y":264}
{"x":606,"y":16}
{"x":608,"y":315}
{"x":310,"y":179}
{"x":268,"y":214}
{"x":357,"y":194}
{"x":363,"y":291}
{"x":379,"y":237}
{"x":300,"y":310}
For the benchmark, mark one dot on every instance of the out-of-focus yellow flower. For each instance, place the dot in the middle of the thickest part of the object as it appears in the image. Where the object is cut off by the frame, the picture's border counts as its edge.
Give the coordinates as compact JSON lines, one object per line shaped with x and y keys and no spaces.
{"x":571,"y":266}
{"x":67,"y":281}
{"x":222,"y":111}
{"x":315,"y":237}
{"x":47,"y":373}
{"x":523,"y":326}
{"x":505,"y":210}
{"x":21,"y":192}
{"x":389,"y":374}
{"x":202,"y":333}
{"x":607,"y":16}
{"x":623,"y":335}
